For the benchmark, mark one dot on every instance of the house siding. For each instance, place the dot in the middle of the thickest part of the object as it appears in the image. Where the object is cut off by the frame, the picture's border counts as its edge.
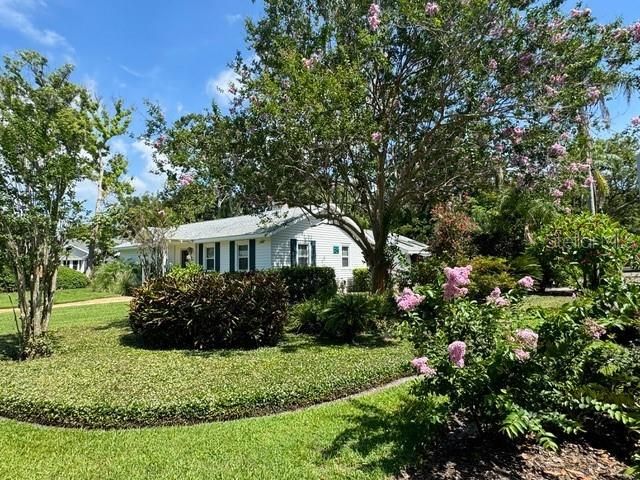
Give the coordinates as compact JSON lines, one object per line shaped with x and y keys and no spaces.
{"x":326,"y":237}
{"x":263,"y":253}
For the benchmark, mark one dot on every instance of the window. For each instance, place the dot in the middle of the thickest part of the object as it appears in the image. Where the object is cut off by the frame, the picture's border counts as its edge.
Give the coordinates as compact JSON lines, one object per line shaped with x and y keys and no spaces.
{"x":303,"y":254}
{"x":243,"y":258}
{"x":211,"y":258}
{"x":345,"y":255}
{"x":74,"y":264}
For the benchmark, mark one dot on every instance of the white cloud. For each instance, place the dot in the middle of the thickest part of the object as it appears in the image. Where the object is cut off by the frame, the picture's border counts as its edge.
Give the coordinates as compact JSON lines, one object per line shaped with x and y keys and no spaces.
{"x":147,"y":180}
{"x":179,"y":107}
{"x":15,"y":15}
{"x":218,"y":86}
{"x":91,"y":84}
{"x":233,"y":18}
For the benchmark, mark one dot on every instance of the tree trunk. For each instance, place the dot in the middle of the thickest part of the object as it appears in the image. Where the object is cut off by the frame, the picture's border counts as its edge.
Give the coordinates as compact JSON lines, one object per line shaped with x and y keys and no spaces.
{"x":95,"y":230}
{"x":378,"y":262}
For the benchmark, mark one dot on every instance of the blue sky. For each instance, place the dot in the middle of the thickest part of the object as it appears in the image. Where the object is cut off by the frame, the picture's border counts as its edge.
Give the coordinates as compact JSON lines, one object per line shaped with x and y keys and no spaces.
{"x":175,"y":53}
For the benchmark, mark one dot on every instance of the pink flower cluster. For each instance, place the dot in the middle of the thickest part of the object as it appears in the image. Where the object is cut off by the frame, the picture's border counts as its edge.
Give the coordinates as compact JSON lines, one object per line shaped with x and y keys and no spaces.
{"x":635,"y":121}
{"x":526,"y":282}
{"x":496,"y":298}
{"x":457,"y":280}
{"x":557,"y":150}
{"x":634,"y":30}
{"x":422,"y":366}
{"x":376,"y":137}
{"x":492,"y":65}
{"x":522,"y":355}
{"x":578,"y":12}
{"x":528,"y":338}
{"x":432,"y":9}
{"x":408,"y":300}
{"x":593,"y":94}
{"x":588,"y":182}
{"x":457,"y":351}
{"x":594,"y":328}
{"x":311,"y":62}
{"x":185,"y":180}
{"x":373,"y":18}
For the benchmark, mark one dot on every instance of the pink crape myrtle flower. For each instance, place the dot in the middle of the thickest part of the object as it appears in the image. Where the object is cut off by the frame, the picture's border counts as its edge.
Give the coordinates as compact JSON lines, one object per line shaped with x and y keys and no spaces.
{"x":408,"y":300}
{"x":376,"y":137}
{"x":588,"y":182}
{"x":593,"y":93}
{"x":634,"y":30}
{"x":557,"y":150}
{"x":457,"y":351}
{"x":422,"y":366}
{"x":522,"y":355}
{"x":185,"y":180}
{"x":557,"y":194}
{"x":569,"y":184}
{"x":373,"y":18}
{"x":577,"y":12}
{"x":528,"y":338}
{"x":432,"y":9}
{"x":594,"y":329}
{"x":496,"y":298}
{"x":457,"y":279}
{"x":492,"y":65}
{"x":635,"y":121}
{"x":526,"y":282}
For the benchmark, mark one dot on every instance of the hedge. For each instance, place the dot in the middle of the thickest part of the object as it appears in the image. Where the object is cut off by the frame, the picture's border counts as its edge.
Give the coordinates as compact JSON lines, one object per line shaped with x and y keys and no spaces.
{"x":68,"y":279}
{"x":305,"y":283}
{"x":206,"y":311}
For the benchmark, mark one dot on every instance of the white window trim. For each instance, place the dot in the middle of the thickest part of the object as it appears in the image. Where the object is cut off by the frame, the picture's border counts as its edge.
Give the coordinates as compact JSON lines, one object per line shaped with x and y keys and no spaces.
{"x":238,"y":245}
{"x":342,"y":256}
{"x":207,"y":258}
{"x":298,"y":256}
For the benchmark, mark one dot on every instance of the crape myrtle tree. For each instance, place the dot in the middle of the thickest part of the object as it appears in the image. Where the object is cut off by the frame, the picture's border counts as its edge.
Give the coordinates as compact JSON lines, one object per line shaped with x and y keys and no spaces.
{"x":45,"y":144}
{"x":355,"y":110}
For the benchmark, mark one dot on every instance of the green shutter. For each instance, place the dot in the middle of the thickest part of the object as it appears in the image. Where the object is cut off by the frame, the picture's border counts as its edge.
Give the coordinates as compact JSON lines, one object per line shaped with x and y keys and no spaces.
{"x":232,"y":256}
{"x":217,"y":260}
{"x":201,"y":254}
{"x":313,"y":253}
{"x":252,"y":254}
{"x":293,"y":251}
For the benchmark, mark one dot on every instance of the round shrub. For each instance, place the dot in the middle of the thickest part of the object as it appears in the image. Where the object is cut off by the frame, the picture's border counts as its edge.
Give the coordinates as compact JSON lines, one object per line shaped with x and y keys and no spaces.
{"x":68,"y":279}
{"x":204,"y":311}
{"x":489,"y":273}
{"x":348,"y":315}
{"x":361,"y":280}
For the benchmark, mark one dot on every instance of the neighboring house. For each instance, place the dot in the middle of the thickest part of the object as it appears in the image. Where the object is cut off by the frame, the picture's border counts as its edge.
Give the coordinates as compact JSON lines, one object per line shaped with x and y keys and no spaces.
{"x":75,"y":255}
{"x":257,"y":242}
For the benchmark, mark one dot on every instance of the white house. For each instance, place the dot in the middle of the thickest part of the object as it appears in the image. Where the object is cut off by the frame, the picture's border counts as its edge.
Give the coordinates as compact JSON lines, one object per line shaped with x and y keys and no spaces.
{"x":75,"y":255}
{"x":278,"y":238}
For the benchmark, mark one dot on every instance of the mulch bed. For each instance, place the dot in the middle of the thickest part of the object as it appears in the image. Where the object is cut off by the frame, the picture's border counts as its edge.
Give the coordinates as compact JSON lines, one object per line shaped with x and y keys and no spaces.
{"x":489,"y":461}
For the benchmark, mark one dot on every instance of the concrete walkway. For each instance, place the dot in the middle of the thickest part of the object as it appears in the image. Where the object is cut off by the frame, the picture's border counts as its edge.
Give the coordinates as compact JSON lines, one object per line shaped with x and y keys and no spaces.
{"x":96,"y":301}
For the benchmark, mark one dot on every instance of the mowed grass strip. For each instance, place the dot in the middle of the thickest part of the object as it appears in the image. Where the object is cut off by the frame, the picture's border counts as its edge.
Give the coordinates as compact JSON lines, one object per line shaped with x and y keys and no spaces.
{"x":101,"y":377}
{"x":351,"y":439}
{"x":9,"y":300}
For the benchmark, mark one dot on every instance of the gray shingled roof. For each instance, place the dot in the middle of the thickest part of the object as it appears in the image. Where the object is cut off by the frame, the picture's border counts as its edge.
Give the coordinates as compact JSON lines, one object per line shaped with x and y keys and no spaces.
{"x":243,"y":226}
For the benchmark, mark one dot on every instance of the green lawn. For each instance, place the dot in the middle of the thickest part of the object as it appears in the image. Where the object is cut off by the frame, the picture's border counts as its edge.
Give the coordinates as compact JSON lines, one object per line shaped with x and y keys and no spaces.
{"x":546,"y":301}
{"x":352,"y":439}
{"x":61,"y":296}
{"x":100,"y":376}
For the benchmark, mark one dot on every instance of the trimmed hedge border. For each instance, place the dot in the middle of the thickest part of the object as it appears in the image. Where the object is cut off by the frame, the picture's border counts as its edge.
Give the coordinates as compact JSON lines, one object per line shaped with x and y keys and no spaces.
{"x":104,"y":417}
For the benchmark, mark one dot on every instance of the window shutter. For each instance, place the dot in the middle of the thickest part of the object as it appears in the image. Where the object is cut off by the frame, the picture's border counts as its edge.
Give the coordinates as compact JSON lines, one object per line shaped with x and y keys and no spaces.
{"x":232,"y":256}
{"x":217,"y":260}
{"x":201,"y":254}
{"x":313,"y":253}
{"x":252,"y":254}
{"x":294,"y":252}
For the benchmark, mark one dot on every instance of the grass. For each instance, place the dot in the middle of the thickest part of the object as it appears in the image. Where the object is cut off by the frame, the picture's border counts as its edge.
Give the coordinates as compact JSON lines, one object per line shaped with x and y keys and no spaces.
{"x":546,"y":301}
{"x":100,"y":376}
{"x":61,"y":296}
{"x":351,"y":439}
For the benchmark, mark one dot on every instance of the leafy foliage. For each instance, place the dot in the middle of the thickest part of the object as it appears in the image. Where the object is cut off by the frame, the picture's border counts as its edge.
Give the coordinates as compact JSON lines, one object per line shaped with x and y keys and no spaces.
{"x":304,"y":283}
{"x":348,"y":315}
{"x":69,"y":278}
{"x":116,"y":277}
{"x":361,"y":280}
{"x":488,"y":273}
{"x":595,"y":246}
{"x":205,"y":311}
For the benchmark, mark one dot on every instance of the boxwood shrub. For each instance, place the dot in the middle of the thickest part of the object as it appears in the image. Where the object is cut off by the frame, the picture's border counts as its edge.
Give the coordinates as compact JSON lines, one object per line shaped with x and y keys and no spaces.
{"x":207,"y":311}
{"x":305,"y":283}
{"x":68,"y":279}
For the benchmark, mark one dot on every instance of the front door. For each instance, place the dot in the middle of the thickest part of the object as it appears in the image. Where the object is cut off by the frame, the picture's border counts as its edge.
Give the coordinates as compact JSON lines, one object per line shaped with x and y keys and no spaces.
{"x":184,"y":258}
